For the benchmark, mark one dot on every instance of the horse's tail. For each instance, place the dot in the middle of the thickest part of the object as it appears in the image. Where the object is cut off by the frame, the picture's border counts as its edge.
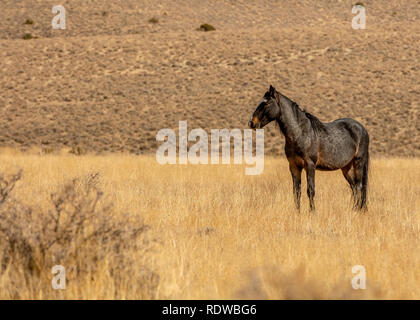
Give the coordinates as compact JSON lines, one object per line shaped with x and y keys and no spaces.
{"x":365,"y":178}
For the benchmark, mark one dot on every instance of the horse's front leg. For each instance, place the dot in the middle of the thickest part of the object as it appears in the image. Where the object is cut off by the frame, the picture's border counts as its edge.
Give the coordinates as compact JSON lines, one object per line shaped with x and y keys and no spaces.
{"x":296,"y":176}
{"x":310,"y":181}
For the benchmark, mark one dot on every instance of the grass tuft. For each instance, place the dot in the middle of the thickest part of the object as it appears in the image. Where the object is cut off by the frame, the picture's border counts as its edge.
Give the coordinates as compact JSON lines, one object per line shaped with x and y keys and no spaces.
{"x":78,"y":151}
{"x":27,"y":36}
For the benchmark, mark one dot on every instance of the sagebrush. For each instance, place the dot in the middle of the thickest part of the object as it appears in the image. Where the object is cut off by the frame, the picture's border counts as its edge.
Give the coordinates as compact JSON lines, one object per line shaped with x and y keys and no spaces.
{"x":81,"y":232}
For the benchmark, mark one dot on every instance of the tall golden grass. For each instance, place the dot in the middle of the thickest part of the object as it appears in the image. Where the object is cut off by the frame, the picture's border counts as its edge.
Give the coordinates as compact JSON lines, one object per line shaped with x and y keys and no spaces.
{"x":215,"y":233}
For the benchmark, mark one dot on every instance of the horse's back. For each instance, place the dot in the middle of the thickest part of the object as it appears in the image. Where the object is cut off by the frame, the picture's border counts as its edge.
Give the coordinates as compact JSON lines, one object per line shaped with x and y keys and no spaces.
{"x":347,"y":126}
{"x":340,"y":142}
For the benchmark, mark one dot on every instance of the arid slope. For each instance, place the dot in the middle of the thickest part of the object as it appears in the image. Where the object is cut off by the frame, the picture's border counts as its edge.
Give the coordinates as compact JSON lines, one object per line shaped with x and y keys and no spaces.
{"x":113,"y":79}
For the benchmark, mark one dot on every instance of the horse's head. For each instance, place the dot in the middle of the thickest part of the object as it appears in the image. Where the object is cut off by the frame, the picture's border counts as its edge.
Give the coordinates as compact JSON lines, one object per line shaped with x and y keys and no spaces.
{"x":267,"y":110}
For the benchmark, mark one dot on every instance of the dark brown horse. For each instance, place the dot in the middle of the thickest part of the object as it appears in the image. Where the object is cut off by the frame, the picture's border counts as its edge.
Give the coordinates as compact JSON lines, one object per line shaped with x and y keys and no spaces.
{"x":314,"y":145}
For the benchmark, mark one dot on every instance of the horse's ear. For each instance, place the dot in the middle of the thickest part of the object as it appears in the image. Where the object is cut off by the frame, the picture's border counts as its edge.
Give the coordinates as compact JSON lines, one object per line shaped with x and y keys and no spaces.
{"x":272,"y":91}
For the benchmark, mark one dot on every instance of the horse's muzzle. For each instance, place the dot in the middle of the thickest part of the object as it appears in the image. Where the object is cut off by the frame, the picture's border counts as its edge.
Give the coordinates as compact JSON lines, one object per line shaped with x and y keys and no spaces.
{"x":252,"y":125}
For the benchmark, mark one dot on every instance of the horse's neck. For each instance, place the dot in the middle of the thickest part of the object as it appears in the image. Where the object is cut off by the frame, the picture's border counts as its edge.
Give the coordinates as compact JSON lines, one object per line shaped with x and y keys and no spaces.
{"x":290,"y":119}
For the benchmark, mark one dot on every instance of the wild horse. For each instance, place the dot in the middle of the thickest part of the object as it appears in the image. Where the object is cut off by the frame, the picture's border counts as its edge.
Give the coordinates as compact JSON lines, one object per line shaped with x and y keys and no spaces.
{"x":314,"y":145}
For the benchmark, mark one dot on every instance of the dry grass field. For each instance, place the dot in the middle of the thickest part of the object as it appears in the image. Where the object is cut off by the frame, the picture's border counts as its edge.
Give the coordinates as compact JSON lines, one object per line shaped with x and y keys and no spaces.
{"x":214,"y":232}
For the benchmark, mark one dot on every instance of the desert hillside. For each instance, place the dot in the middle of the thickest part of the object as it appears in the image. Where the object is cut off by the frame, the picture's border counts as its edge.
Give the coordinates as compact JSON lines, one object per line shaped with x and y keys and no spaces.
{"x":116,"y":76}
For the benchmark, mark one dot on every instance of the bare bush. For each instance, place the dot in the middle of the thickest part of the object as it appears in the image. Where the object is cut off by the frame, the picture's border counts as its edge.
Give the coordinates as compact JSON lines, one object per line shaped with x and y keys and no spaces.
{"x":81,"y":232}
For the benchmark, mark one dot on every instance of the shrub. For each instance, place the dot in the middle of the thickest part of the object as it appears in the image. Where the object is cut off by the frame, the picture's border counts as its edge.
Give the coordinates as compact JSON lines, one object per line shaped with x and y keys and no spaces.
{"x":82,"y":232}
{"x":29,"y":21}
{"x":27,"y":36}
{"x":154,"y":20}
{"x":206,"y":27}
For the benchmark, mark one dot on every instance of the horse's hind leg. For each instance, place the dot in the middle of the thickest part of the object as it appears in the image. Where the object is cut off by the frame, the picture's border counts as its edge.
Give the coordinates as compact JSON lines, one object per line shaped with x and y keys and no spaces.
{"x":361,"y":174}
{"x":348,"y":172}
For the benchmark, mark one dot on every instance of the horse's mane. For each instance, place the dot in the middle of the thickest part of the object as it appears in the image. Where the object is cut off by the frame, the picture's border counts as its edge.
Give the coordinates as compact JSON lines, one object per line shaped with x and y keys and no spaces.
{"x":316,"y":124}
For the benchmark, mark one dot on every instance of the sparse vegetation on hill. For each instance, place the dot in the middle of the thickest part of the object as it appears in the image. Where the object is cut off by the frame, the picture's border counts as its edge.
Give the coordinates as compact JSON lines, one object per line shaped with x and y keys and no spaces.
{"x":116,"y":90}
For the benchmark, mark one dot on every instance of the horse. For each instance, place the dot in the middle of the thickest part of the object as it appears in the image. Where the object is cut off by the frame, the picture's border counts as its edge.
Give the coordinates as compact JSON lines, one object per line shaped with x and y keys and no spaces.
{"x":313,"y":145}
